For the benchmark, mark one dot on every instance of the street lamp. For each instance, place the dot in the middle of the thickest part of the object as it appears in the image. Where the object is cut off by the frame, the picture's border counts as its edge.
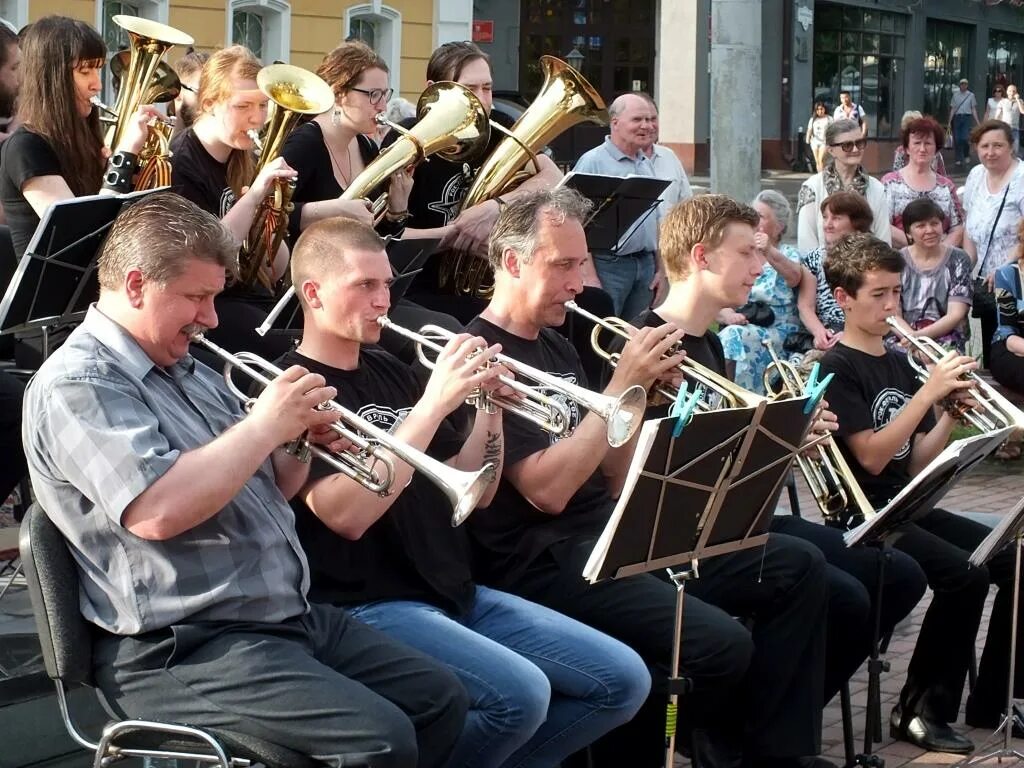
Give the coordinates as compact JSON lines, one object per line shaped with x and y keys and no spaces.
{"x":574,"y":58}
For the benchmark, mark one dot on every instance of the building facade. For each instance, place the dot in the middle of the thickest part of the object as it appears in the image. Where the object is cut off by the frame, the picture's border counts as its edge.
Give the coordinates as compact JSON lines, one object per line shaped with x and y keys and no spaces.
{"x":890,"y":54}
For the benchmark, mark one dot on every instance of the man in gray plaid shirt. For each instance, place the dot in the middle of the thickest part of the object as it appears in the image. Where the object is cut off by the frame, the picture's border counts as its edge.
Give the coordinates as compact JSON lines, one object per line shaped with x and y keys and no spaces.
{"x":174,"y":503}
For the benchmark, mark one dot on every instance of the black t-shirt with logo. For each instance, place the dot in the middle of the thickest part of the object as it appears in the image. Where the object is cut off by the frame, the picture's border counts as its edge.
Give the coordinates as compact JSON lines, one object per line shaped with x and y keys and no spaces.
{"x":867,"y":392}
{"x":437,"y":191}
{"x":412,"y":552}
{"x":511,"y":533}
{"x":198,"y":176}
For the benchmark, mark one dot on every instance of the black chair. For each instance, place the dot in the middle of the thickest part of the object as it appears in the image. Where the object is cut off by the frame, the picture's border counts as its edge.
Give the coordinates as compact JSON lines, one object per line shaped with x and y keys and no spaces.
{"x":66,"y":639}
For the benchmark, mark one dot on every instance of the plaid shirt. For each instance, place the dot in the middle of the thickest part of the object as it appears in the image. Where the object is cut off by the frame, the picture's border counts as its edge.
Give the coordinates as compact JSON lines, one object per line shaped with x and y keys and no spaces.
{"x":102,"y":423}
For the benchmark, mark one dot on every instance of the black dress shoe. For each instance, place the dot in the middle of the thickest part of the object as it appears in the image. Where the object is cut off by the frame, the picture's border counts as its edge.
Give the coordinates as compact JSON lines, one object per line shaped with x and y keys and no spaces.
{"x":930,"y":735}
{"x":992,"y":723}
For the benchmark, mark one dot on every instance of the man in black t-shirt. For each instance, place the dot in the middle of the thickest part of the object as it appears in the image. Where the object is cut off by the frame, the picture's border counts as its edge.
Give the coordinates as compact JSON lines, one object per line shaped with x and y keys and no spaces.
{"x":756,"y":694}
{"x":711,"y":260}
{"x":395,"y":561}
{"x":888,"y":432}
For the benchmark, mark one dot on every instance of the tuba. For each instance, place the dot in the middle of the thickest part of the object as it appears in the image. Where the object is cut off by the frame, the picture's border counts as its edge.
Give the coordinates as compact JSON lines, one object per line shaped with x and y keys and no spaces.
{"x":451,"y":122}
{"x":145,"y":80}
{"x":565,"y":99}
{"x":294,"y":91}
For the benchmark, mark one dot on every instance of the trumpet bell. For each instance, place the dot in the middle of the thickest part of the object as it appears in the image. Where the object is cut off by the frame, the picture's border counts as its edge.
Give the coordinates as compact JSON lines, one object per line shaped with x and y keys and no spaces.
{"x":625,"y":414}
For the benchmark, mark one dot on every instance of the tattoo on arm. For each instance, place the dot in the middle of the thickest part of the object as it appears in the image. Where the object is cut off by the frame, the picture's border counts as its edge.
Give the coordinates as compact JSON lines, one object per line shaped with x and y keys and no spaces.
{"x":492,"y":453}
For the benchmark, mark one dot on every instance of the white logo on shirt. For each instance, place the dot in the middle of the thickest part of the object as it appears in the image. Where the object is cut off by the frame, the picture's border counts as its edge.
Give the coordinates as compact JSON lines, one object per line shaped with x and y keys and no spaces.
{"x":451,"y":198}
{"x":888,"y":404}
{"x":383,"y":417}
{"x":570,"y":405}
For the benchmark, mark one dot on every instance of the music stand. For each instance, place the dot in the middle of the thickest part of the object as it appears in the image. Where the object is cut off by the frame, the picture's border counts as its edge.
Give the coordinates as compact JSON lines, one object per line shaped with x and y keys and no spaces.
{"x":672,"y":508}
{"x":621,"y":205}
{"x":915,"y":500}
{"x":1010,"y":529}
{"x":56,"y":278}
{"x":407,"y":258}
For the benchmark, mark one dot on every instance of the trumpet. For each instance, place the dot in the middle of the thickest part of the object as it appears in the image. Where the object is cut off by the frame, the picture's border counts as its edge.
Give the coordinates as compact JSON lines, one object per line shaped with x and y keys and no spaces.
{"x":993,"y":410}
{"x":373,"y":467}
{"x":623,"y":415}
{"x":832,"y":483}
{"x":730,"y":395}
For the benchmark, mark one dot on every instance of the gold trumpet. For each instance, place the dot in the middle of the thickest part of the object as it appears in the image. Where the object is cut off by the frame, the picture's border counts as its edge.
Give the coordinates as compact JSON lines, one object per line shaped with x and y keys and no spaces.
{"x":451,"y":122}
{"x":623,"y":415}
{"x":144,"y":79}
{"x":565,"y":99}
{"x":993,"y":410}
{"x":373,"y":467}
{"x":730,"y":394}
{"x":833,"y":485}
{"x":293,"y":91}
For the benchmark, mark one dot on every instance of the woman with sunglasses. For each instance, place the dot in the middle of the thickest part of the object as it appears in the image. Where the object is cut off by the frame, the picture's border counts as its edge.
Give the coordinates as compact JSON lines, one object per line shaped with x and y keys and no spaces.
{"x":843,"y":172}
{"x":921,"y":139}
{"x":997,"y":107}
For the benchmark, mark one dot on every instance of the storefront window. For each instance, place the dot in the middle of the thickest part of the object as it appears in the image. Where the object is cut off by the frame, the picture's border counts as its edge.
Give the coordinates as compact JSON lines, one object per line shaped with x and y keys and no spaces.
{"x":946,"y":55}
{"x":1005,"y":61}
{"x":861,"y":51}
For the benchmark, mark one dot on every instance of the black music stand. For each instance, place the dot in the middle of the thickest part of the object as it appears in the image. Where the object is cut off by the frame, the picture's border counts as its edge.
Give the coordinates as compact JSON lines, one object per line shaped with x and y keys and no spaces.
{"x":672,"y":508}
{"x":915,"y":500}
{"x":407,"y":258}
{"x":621,"y":205}
{"x":56,"y":278}
{"x":1010,"y":529}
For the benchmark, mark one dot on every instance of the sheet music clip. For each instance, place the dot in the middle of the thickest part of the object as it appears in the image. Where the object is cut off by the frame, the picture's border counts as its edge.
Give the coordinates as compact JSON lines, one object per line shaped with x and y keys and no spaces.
{"x":684,"y":406}
{"x":815,"y":389}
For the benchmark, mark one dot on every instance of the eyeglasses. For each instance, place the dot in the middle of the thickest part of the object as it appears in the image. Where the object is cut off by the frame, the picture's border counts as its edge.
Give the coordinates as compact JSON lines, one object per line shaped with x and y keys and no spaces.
{"x":849,"y":146}
{"x":376,"y":95}
{"x":188,"y":88}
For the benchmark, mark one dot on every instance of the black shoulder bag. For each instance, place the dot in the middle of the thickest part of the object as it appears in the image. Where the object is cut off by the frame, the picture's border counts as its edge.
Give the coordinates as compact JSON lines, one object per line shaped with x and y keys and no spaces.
{"x":984,"y":302}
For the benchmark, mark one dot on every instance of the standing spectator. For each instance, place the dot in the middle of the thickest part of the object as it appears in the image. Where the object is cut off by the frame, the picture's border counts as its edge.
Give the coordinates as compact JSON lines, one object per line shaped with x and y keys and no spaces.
{"x":1015,"y":111}
{"x":994,"y":106}
{"x":963,"y":115}
{"x":630,"y":272}
{"x":921,"y":139}
{"x":816,"y":128}
{"x":847,"y":110}
{"x":844,"y":172}
{"x":994,"y":199}
{"x":899,"y":157}
{"x":742,"y":341}
{"x":936,"y":278}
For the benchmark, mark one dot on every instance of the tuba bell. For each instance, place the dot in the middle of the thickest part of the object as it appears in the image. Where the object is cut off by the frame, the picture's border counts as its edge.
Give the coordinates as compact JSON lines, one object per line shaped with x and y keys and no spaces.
{"x":451,"y":122}
{"x":143,"y":79}
{"x":565,"y":99}
{"x":293,"y":91}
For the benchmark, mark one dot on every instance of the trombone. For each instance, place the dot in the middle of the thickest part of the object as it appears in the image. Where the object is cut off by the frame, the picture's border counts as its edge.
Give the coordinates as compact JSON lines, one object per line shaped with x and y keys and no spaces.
{"x":623,"y":415}
{"x":373,"y":467}
{"x":829,"y":477}
{"x":732,"y":396}
{"x":993,"y":411}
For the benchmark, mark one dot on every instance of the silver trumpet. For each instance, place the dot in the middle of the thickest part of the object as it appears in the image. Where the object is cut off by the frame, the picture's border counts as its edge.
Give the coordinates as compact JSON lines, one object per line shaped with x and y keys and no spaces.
{"x":993,"y":411}
{"x":373,"y":467}
{"x":623,"y":415}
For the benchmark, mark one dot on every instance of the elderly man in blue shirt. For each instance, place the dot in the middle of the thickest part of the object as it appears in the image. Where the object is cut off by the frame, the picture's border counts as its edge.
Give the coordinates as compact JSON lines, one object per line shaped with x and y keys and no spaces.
{"x":631,"y":272}
{"x":173,"y":502}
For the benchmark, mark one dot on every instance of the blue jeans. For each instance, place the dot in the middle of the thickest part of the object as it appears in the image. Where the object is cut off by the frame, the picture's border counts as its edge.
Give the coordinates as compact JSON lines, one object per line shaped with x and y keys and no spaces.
{"x":962,"y":136}
{"x":541,"y":685}
{"x":627,"y":279}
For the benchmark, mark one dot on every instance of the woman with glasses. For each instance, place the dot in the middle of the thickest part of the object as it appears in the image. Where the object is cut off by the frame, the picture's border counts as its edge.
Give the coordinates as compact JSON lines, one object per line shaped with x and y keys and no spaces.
{"x":186,"y":104}
{"x":843,"y":173}
{"x":997,"y":105}
{"x":921,"y":139}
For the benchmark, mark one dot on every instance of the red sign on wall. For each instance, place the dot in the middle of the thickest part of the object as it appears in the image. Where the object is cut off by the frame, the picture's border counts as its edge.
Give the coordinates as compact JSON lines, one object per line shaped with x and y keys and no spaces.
{"x":483,"y":31}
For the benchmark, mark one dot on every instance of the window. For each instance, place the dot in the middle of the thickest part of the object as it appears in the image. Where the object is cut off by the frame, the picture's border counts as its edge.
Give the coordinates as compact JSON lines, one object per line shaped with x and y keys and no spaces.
{"x":262,"y":26}
{"x":1005,"y":62}
{"x":15,"y":12}
{"x":380,"y":27}
{"x":115,"y":38}
{"x":861,"y":51}
{"x":946,"y":56}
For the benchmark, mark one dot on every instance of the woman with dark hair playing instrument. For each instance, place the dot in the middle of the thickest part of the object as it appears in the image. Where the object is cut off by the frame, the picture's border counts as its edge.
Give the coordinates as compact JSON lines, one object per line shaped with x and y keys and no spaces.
{"x":58,"y":153}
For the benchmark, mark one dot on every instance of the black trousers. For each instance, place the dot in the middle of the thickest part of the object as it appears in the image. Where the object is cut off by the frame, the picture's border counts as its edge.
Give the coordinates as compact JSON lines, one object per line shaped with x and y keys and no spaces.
{"x":1007,"y":368}
{"x":941,"y":543}
{"x":852,"y":590}
{"x":759,"y":690}
{"x":13,"y":466}
{"x":325,"y":685}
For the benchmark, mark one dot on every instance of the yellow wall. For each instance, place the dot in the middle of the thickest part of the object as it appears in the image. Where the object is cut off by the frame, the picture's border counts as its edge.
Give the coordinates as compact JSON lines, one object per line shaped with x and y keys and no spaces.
{"x":316,"y":27}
